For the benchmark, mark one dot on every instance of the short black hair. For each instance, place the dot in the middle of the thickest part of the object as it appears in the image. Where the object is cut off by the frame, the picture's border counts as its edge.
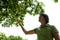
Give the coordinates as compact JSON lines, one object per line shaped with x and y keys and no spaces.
{"x":46,"y":17}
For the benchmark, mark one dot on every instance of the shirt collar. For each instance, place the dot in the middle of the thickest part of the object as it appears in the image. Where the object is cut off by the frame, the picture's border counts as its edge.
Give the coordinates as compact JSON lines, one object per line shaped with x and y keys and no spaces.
{"x":44,"y":26}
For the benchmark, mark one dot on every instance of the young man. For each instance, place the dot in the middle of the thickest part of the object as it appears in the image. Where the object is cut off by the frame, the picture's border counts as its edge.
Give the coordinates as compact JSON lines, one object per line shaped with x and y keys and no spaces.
{"x":45,"y":31}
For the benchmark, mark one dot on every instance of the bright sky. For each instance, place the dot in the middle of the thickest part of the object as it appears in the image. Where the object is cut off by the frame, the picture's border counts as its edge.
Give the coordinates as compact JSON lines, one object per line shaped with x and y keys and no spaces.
{"x":31,"y":22}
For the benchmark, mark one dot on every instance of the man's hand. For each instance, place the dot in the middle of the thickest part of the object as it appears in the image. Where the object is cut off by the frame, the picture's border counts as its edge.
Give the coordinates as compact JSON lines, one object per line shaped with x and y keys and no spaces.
{"x":20,"y":23}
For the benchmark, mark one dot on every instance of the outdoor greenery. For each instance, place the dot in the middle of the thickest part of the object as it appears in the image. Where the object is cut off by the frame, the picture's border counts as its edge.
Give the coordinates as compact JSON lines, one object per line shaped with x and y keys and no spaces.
{"x":10,"y":10}
{"x":11,"y":37}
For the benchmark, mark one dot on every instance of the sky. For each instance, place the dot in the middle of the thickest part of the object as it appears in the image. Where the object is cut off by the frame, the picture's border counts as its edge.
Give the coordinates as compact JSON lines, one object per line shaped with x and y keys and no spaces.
{"x":31,"y":22}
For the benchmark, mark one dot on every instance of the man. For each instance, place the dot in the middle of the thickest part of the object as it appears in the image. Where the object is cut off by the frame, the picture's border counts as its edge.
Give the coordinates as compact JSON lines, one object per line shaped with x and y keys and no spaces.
{"x":45,"y":31}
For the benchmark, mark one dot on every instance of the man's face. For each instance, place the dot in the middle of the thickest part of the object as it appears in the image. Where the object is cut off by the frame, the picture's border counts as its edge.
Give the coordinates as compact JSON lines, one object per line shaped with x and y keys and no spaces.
{"x":41,"y":19}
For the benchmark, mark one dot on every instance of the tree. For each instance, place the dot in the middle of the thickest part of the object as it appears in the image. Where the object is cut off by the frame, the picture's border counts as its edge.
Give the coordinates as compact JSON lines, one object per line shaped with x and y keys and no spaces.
{"x":10,"y":10}
{"x":11,"y":37}
{"x":2,"y":36}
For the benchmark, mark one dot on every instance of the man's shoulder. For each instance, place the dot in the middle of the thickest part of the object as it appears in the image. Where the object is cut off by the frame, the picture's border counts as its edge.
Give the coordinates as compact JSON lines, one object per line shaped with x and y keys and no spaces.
{"x":51,"y":26}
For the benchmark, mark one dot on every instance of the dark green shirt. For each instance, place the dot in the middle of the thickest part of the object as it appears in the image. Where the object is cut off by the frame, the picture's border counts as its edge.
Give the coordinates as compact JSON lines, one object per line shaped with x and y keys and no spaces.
{"x":45,"y":33}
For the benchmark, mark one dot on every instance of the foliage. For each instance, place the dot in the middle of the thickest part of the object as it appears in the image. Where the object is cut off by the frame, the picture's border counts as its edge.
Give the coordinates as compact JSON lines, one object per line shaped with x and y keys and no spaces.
{"x":10,"y":10}
{"x":55,"y":1}
{"x":14,"y":38}
{"x":11,"y":37}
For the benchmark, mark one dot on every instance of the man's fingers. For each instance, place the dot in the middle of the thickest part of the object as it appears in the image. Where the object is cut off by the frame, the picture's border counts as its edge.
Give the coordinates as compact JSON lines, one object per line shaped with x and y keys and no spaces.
{"x":19,"y":20}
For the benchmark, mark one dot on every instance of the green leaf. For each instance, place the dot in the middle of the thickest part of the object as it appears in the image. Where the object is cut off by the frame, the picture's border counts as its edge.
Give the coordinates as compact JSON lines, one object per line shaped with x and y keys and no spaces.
{"x":55,"y":1}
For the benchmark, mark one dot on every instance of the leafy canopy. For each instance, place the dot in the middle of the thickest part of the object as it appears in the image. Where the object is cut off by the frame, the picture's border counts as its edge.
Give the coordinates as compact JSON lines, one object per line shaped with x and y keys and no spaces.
{"x":10,"y":10}
{"x":11,"y":37}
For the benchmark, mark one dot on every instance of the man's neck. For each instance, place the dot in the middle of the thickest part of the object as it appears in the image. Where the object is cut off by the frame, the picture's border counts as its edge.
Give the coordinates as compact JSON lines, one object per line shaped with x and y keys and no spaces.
{"x":43,"y":24}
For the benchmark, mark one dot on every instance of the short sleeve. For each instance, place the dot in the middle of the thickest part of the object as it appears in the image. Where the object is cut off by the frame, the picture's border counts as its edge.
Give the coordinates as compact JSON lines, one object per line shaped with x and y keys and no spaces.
{"x":54,"y":29}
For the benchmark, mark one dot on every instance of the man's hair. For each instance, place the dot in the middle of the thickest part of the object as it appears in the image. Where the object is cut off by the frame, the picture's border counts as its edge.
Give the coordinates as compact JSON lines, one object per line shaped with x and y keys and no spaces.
{"x":46,"y":17}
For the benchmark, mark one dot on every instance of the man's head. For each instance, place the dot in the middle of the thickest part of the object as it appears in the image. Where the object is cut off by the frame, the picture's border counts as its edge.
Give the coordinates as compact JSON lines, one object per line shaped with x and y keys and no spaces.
{"x":43,"y":18}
